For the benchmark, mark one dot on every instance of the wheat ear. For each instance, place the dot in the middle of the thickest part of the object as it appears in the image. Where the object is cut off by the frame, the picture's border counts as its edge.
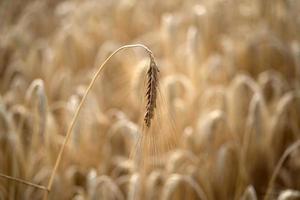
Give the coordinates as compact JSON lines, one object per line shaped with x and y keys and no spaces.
{"x":149,"y":108}
{"x":284,"y":156}
{"x":151,"y":94}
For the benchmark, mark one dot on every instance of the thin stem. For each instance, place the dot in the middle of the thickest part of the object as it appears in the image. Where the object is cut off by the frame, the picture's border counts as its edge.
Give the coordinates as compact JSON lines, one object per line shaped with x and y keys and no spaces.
{"x":41,"y":187}
{"x":70,"y":128}
{"x":286,"y":153}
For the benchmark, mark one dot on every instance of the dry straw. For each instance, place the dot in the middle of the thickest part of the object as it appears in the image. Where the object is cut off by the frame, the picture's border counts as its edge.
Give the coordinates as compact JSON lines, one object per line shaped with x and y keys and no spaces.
{"x":23,"y":182}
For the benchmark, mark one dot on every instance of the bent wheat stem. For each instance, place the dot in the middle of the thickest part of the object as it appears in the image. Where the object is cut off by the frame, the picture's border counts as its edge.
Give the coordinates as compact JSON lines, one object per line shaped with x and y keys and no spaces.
{"x":152,"y":77}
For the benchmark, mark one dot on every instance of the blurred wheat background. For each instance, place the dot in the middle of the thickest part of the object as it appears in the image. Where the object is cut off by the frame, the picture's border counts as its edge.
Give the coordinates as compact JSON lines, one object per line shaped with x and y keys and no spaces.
{"x":230,"y":91}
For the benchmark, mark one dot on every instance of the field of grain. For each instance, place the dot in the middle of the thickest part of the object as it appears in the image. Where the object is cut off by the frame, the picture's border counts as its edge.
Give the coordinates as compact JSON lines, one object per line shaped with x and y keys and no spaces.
{"x":210,"y":111}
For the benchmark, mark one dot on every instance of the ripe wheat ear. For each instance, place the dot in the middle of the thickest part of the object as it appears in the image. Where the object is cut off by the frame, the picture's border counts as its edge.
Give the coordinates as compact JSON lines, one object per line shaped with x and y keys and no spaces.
{"x":151,"y":94}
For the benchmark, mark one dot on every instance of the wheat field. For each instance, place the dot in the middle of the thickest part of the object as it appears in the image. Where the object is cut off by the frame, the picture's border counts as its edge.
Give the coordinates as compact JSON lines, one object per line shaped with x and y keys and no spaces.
{"x":202,"y":102}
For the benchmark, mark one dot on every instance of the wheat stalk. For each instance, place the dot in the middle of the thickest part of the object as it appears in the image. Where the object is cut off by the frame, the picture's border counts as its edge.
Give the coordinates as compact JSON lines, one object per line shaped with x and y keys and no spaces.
{"x":23,"y":182}
{"x":150,"y":95}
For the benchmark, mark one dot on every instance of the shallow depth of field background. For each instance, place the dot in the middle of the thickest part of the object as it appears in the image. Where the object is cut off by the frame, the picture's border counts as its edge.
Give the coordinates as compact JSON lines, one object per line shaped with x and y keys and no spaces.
{"x":230,"y":79}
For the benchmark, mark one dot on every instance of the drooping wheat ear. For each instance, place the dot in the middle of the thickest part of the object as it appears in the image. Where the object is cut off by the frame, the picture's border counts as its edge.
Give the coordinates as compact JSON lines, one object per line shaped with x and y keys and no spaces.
{"x":150,"y":110}
{"x":281,"y":161}
{"x":151,"y":94}
{"x":176,"y":181}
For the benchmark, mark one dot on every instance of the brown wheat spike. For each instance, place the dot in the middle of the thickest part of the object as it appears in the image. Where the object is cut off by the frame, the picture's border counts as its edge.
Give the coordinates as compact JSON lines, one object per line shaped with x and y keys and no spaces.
{"x":152,"y":76}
